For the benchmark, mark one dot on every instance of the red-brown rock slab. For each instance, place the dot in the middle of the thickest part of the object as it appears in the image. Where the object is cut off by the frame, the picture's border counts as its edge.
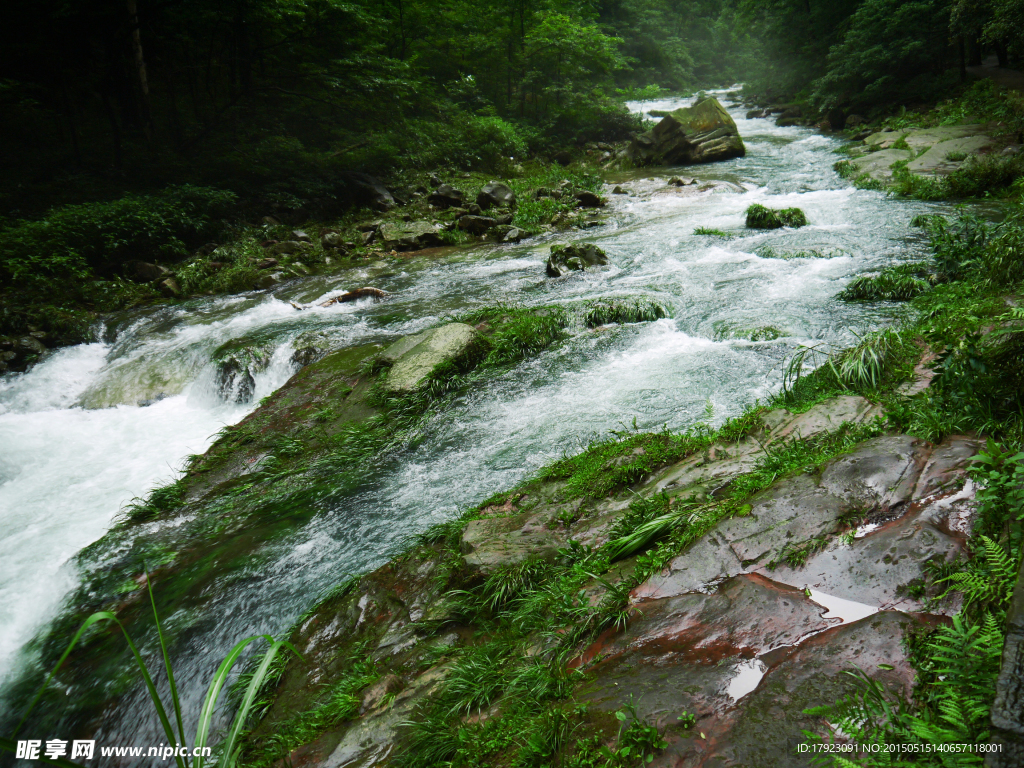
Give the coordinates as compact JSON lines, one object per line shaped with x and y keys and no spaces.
{"x":872,"y":569}
{"x":765,"y":727}
{"x":681,"y":653}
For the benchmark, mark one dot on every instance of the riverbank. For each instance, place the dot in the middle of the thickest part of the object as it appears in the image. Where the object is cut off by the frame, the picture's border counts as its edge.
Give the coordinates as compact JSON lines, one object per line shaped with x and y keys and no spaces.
{"x":270,"y":532}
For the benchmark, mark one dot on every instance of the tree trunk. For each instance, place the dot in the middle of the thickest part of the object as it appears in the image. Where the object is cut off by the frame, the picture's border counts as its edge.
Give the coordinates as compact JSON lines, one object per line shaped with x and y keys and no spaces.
{"x":140,"y":71}
{"x":1001,"y":54}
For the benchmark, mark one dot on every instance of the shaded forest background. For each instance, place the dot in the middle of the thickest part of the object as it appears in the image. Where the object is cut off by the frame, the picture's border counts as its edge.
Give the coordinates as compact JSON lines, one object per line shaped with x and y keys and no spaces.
{"x":279,"y":96}
{"x":142,"y":129}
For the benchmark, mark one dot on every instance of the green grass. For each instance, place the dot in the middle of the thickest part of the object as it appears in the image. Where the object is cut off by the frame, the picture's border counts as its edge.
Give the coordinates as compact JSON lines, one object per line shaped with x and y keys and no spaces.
{"x":900,"y":283}
{"x":227,"y":749}
{"x":534,"y":214}
{"x":340,"y":702}
{"x":768,"y":252}
{"x":711,"y":232}
{"x":640,"y":310}
{"x":760,"y":217}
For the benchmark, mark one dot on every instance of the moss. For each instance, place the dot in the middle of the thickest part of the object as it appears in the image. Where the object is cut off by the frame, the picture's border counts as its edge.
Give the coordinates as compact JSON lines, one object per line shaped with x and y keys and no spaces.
{"x":760,"y":217}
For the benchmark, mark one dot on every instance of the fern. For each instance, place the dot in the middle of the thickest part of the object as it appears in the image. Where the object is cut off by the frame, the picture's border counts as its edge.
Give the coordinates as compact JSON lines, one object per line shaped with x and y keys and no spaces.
{"x":955,"y":689}
{"x":989,"y":578}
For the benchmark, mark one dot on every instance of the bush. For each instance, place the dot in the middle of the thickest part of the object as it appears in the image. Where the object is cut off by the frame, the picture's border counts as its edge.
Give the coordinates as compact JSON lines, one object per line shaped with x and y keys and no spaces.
{"x":760,"y":217}
{"x":76,"y":241}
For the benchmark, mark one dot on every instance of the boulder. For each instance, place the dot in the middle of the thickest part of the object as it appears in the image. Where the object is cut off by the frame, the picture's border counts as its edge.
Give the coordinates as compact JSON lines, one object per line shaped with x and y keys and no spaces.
{"x":410,"y":236}
{"x":514,"y":235}
{"x":416,"y":357}
{"x":446,"y":196}
{"x":267,"y":263}
{"x":364,"y":189}
{"x":268,"y":281}
{"x":368,"y":237}
{"x":574,"y":257}
{"x":287,"y":247}
{"x":301,"y":236}
{"x":332,"y":240}
{"x":238,"y":361}
{"x":144,"y":272}
{"x":853,"y":121}
{"x":703,"y":133}
{"x":941,"y":159}
{"x":755,"y":113}
{"x":588,"y":199}
{"x":476,"y":225}
{"x":169,"y":287}
{"x":878,"y":165}
{"x":494,"y":193}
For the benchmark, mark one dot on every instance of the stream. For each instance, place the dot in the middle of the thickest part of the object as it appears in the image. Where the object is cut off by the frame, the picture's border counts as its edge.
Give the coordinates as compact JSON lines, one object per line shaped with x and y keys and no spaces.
{"x":95,"y":425}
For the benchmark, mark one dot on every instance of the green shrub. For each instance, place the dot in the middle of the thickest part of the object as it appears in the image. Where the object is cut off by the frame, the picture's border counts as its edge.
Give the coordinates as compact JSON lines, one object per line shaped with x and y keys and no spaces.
{"x":760,"y":217}
{"x":76,"y":241}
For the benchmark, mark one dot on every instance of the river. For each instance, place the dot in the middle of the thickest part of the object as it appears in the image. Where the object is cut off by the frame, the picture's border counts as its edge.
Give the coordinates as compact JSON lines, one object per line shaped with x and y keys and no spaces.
{"x":95,"y":425}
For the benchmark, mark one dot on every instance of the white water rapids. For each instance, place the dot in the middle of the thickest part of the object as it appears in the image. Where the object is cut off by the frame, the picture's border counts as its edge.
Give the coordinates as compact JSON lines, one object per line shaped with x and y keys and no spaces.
{"x":77,"y":445}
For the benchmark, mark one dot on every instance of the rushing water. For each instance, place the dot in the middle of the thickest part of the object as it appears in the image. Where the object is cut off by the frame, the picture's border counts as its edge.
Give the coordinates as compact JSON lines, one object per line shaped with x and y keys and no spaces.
{"x":95,"y":425}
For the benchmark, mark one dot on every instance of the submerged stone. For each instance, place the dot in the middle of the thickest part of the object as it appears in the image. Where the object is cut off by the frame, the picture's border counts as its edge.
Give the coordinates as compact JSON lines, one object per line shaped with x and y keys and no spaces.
{"x":574,"y":257}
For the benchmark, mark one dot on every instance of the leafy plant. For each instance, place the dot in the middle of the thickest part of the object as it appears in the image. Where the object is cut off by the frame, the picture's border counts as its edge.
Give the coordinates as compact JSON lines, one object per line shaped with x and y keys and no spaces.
{"x":228,"y":749}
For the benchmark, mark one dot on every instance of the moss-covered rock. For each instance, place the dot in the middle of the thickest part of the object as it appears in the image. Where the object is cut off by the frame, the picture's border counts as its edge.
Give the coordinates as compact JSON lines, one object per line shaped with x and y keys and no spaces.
{"x":414,"y":359}
{"x":574,"y":257}
{"x":703,"y":133}
{"x":761,"y":217}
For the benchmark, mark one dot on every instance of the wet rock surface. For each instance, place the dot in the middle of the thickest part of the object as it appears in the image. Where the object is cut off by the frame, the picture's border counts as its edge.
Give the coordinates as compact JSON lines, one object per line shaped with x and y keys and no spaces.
{"x":1008,"y":708}
{"x":415,"y":358}
{"x":730,"y":631}
{"x":575,"y":257}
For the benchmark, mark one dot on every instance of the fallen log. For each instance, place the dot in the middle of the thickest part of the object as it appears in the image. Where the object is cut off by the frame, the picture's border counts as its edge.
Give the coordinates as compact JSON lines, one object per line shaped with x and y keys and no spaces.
{"x":359,"y":293}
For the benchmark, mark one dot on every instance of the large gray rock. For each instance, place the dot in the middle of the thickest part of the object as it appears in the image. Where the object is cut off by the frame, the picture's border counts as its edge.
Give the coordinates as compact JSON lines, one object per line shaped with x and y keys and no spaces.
{"x":878,"y":165}
{"x":1008,"y":708}
{"x":574,"y":257}
{"x":409,"y":236}
{"x":492,"y":542}
{"x":940,"y":158}
{"x":414,"y":362}
{"x":446,"y":196}
{"x":703,"y":133}
{"x":367,"y":190}
{"x":237,"y":362}
{"x":476,"y":225}
{"x":494,"y":193}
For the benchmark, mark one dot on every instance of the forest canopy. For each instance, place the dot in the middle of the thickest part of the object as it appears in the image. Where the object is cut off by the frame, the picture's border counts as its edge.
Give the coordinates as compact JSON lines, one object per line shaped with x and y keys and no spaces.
{"x":100,"y":98}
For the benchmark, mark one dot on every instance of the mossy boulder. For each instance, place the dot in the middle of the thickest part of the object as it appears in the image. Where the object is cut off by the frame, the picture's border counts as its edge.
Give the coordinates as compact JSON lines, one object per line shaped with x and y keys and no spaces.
{"x":238,"y":361}
{"x":761,"y":217}
{"x":415,"y":358}
{"x":409,"y":236}
{"x":574,"y":257}
{"x":703,"y":133}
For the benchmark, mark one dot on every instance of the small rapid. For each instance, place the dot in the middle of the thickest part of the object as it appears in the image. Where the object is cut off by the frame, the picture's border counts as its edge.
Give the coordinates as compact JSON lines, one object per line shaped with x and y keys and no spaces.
{"x":93,"y":426}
